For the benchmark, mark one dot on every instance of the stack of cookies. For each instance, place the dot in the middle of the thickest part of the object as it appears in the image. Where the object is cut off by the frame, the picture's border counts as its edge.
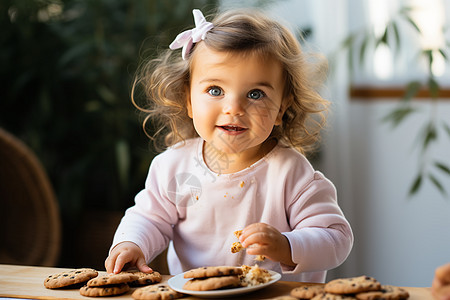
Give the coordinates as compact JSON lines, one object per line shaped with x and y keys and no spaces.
{"x":212,"y":278}
{"x":93,"y":285}
{"x":362,"y":287}
{"x":108,"y":285}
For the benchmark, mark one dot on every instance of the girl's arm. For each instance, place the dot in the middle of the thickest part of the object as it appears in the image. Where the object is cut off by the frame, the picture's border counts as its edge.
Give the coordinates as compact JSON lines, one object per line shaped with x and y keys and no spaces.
{"x":321,"y":238}
{"x":148,"y":224}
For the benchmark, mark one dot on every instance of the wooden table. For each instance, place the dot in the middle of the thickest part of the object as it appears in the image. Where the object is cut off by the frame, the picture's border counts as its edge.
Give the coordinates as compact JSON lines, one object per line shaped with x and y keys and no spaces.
{"x":27,"y":282}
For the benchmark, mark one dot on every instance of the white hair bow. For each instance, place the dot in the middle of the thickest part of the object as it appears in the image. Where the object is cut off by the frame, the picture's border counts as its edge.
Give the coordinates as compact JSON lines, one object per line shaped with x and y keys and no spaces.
{"x":187,"y":38}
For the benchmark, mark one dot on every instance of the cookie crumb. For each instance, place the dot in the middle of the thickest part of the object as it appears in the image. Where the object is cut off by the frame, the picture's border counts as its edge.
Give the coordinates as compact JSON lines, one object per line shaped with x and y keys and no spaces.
{"x":260,"y":258}
{"x":241,"y":184}
{"x":252,"y":276}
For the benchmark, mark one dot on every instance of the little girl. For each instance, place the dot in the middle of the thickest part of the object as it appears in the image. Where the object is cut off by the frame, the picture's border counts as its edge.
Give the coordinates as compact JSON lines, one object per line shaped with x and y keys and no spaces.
{"x":238,"y":110}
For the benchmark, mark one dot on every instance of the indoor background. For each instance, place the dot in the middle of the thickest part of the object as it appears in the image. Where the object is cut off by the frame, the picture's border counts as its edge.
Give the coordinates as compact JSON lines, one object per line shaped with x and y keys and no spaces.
{"x":66,"y":69}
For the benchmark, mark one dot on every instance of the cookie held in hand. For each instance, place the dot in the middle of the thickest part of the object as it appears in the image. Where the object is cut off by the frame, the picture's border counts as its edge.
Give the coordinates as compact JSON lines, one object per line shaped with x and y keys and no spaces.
{"x":237,"y":246}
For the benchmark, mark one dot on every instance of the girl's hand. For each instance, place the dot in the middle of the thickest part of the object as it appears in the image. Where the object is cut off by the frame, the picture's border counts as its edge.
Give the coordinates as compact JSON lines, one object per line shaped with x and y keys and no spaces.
{"x":441,"y":283}
{"x":263,"y":239}
{"x":126,"y":253}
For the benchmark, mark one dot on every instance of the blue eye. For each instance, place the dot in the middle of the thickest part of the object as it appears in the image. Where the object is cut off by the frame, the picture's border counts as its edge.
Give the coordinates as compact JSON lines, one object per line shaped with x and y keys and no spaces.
{"x":214,"y":91}
{"x":256,"y":94}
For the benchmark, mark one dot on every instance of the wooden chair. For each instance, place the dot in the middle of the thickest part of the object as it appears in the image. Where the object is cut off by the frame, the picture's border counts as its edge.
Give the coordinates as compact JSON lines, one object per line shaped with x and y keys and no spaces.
{"x":30,"y":225}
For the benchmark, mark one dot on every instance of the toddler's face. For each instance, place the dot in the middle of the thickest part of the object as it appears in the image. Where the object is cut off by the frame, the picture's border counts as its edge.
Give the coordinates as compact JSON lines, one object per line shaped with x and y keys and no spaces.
{"x":235,"y":100}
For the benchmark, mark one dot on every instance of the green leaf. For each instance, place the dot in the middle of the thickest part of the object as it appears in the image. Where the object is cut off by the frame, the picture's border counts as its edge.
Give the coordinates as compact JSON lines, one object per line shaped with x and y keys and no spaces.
{"x":416,"y":185}
{"x":348,"y":44}
{"x":350,"y":59}
{"x":384,"y":38}
{"x":362,"y":49}
{"x":106,"y":94}
{"x":405,"y":10}
{"x":74,"y":54}
{"x":398,"y":115}
{"x":428,"y":54}
{"x":412,"y":89}
{"x":446,"y":128}
{"x":349,"y":41}
{"x":443,"y":54}
{"x":433,"y":86}
{"x":429,"y":136}
{"x":437,"y":183}
{"x":442,"y":167}
{"x":412,"y":22}
{"x":397,"y":37}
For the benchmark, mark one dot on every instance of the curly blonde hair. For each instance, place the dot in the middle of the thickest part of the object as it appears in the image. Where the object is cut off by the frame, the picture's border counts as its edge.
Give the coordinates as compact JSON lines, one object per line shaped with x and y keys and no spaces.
{"x":166,"y":79}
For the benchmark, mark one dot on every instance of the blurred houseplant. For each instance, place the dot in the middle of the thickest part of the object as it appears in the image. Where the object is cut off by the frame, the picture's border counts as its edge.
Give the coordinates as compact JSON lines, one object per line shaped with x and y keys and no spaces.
{"x":66,"y":69}
{"x":358,"y":46}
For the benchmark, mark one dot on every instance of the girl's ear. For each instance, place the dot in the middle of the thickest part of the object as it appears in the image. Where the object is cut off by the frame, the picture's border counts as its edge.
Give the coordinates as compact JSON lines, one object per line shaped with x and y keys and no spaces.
{"x":284,"y":105}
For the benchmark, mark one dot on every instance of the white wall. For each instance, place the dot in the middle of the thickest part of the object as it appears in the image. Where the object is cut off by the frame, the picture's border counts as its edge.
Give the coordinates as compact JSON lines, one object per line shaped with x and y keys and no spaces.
{"x":399,"y":239}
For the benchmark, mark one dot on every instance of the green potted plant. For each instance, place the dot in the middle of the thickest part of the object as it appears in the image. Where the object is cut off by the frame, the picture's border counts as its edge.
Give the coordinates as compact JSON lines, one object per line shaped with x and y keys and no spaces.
{"x":359,"y":43}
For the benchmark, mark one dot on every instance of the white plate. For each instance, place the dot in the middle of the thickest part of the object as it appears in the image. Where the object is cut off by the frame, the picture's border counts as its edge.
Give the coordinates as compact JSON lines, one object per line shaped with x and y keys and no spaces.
{"x":177,"y":282}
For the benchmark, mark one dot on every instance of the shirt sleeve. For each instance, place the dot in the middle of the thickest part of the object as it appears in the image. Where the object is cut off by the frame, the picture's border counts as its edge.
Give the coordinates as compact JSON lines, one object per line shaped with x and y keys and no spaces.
{"x":149,"y":222}
{"x":321,"y":238}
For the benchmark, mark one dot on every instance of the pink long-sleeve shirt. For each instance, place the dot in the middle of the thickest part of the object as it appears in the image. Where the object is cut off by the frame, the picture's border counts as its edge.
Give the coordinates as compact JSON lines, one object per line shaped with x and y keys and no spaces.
{"x":195,"y":211}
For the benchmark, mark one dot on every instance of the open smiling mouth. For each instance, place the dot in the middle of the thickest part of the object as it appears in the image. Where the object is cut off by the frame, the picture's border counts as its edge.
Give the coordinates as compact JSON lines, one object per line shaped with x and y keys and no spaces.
{"x":232,"y":128}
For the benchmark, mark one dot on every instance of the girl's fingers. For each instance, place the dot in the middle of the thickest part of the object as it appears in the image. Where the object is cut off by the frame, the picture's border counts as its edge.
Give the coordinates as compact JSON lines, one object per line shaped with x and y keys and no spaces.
{"x":247,"y":231}
{"x":256,"y":249}
{"x":110,"y":262}
{"x":142,"y":266}
{"x":443,"y":293}
{"x":255,"y":238}
{"x":443,"y":273}
{"x":255,"y":227}
{"x":120,"y":263}
{"x":109,"y":265}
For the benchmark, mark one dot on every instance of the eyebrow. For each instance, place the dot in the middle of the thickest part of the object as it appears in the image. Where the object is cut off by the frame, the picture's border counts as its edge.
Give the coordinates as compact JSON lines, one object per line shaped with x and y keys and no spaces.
{"x":263,"y":83}
{"x":210,"y":80}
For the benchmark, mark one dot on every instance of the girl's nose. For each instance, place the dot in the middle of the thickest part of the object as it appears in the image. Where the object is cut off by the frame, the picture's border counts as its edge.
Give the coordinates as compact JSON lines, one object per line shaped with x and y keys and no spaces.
{"x":233,"y":106}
